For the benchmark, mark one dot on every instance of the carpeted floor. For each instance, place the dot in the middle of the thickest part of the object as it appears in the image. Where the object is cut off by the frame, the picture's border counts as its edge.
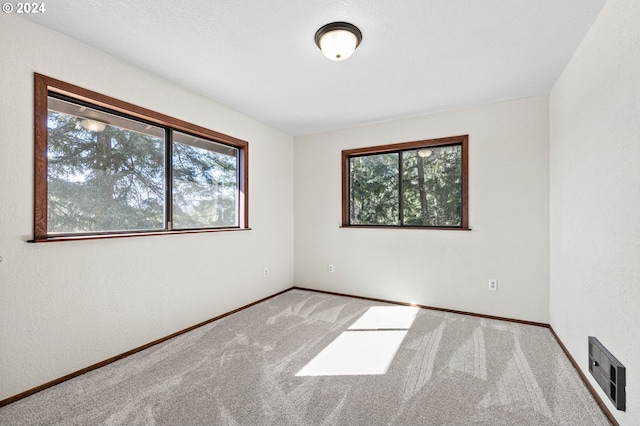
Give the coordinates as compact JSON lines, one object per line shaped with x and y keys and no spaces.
{"x":306,"y":358}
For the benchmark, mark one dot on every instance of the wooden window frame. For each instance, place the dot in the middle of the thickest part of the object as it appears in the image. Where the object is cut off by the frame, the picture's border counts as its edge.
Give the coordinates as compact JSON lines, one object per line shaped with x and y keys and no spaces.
{"x":462,"y":140}
{"x":44,"y":86}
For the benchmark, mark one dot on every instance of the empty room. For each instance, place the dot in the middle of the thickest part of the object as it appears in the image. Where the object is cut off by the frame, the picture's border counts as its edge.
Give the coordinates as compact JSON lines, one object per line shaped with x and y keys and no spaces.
{"x":320,"y":212}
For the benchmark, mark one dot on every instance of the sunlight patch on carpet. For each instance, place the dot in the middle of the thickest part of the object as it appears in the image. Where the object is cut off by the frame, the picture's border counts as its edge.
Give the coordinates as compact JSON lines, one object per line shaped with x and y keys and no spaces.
{"x":367,"y":347}
{"x":386,"y":318}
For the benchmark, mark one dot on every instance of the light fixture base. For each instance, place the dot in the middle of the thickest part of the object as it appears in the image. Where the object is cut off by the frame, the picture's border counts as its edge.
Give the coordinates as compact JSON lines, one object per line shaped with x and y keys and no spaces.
{"x":336,"y":52}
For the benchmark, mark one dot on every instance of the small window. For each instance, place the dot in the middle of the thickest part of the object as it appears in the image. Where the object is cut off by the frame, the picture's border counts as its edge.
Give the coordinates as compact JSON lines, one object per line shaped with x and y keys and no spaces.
{"x":108,"y":168}
{"x":419,"y":184}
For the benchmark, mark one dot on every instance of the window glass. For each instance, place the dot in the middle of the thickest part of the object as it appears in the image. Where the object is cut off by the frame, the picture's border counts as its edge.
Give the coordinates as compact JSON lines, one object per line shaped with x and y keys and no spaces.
{"x":374,"y":189}
{"x":432,"y":186}
{"x":105,"y":173}
{"x":205,"y":183}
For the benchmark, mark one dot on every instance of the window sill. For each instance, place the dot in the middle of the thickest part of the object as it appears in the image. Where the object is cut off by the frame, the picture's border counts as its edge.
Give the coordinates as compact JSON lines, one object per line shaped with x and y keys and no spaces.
{"x":131,"y":234}
{"x":429,"y":228}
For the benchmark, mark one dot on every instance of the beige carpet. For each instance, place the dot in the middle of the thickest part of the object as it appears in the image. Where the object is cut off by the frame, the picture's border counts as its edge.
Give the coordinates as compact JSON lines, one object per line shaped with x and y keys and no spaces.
{"x":306,"y":358}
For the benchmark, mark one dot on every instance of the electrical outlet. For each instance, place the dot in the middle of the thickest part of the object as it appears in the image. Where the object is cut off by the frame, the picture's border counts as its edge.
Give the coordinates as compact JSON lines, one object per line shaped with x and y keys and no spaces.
{"x":493,"y":285}
{"x":330,"y":268}
{"x":265,"y":273}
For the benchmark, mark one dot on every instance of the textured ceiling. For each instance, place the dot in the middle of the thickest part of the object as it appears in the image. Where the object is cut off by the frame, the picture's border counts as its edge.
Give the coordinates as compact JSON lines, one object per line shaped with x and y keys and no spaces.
{"x":258,"y":56}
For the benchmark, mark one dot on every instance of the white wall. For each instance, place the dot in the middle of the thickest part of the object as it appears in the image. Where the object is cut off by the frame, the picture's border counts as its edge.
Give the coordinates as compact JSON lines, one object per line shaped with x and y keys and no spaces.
{"x":508,"y":210}
{"x":595,"y":196}
{"x":64,"y":306}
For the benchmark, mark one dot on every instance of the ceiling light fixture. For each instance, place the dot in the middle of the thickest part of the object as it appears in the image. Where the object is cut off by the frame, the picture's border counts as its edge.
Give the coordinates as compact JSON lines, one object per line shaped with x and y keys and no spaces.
{"x":93,"y":125}
{"x":338,"y":40}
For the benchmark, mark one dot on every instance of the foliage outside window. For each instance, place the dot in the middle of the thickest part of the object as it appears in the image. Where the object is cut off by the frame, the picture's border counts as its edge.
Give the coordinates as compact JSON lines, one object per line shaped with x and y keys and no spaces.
{"x":419,"y":184}
{"x":108,"y":168}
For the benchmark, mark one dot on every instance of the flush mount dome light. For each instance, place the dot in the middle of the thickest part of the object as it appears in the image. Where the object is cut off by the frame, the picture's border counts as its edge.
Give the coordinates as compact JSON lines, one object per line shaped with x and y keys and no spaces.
{"x":338,"y":40}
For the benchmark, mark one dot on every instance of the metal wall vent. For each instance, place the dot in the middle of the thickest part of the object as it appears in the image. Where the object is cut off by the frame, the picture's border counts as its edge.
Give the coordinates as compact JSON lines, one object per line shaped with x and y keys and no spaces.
{"x":608,"y":372}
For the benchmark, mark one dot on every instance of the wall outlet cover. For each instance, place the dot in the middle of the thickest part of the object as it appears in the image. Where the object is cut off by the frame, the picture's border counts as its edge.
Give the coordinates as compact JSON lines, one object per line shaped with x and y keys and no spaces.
{"x":493,"y":285}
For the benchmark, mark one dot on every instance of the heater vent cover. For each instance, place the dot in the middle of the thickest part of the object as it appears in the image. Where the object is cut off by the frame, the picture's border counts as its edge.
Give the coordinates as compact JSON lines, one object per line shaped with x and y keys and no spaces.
{"x":608,"y":372}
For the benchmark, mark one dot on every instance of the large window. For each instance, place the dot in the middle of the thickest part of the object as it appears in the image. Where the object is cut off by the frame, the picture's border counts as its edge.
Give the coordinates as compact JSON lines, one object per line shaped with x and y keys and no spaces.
{"x":419,"y":184}
{"x":104,"y":167}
